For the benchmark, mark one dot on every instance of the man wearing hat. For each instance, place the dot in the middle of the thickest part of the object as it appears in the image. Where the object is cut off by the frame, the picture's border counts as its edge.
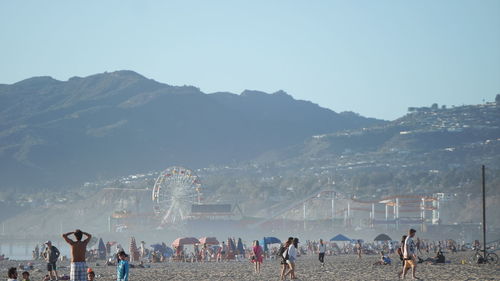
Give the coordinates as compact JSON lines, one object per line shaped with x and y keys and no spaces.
{"x":51,"y":254}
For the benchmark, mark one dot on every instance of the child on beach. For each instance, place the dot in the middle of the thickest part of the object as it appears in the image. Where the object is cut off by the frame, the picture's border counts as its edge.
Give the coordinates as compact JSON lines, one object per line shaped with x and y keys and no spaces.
{"x":90,"y":275}
{"x":257,"y":256}
{"x":122,"y":267}
{"x":26,"y":276}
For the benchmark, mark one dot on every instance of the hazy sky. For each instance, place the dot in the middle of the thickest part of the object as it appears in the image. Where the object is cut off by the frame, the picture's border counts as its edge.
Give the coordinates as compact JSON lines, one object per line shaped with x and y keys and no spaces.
{"x":376,"y":58}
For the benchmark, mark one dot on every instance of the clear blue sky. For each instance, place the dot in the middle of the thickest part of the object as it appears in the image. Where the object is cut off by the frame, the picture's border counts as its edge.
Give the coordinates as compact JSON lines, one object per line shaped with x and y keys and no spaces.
{"x":376,"y":58}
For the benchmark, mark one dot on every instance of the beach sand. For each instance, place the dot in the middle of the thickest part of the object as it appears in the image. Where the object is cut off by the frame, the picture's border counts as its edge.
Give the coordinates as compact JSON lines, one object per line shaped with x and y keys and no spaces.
{"x":344,"y":268}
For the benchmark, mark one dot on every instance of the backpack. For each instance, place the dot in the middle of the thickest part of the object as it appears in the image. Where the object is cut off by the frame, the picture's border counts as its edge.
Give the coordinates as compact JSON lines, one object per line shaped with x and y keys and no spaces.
{"x":281,"y":251}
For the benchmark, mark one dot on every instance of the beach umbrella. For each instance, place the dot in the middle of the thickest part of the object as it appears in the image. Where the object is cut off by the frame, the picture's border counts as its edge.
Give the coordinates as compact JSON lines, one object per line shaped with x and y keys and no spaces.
{"x":271,"y":240}
{"x":209,"y":240}
{"x":101,"y":249}
{"x":382,"y":237}
{"x":263,"y":244}
{"x":185,"y":241}
{"x":157,"y":247}
{"x":240,"y":248}
{"x":340,"y":237}
{"x":168,"y":252}
{"x":134,"y":251}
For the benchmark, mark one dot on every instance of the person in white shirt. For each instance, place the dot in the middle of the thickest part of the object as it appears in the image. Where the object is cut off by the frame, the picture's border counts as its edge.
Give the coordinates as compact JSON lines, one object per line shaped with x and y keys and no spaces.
{"x":292,"y":257}
{"x":410,"y":256}
{"x":322,"y":250}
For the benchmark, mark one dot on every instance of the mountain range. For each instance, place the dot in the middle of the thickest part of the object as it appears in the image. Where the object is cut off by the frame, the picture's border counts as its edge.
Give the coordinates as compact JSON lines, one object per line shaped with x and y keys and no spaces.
{"x":57,"y":133}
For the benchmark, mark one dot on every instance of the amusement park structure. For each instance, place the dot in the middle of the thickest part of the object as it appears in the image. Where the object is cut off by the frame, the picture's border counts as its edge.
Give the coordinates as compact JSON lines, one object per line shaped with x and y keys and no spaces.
{"x":176,"y":198}
{"x":342,"y":209}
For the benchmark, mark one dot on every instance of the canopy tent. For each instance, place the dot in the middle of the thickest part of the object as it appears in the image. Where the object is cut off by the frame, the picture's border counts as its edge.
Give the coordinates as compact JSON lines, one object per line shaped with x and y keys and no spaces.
{"x":382,"y":237}
{"x":341,"y":237}
{"x":209,"y":240}
{"x":185,"y":241}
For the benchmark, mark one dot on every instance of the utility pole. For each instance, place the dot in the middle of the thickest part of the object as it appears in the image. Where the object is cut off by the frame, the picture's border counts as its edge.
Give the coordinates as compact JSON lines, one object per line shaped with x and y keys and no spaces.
{"x":484,"y":212}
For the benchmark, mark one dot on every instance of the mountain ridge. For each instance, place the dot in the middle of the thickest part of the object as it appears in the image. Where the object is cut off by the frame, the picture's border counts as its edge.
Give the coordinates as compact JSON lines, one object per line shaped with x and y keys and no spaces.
{"x":109,"y":124}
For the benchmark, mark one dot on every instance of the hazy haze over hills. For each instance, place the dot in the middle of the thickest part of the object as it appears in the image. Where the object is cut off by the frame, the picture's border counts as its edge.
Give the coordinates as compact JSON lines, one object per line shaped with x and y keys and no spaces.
{"x":66,"y":132}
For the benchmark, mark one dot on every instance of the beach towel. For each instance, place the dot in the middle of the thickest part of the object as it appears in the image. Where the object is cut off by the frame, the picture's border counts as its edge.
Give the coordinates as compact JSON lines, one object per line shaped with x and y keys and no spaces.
{"x":78,"y":271}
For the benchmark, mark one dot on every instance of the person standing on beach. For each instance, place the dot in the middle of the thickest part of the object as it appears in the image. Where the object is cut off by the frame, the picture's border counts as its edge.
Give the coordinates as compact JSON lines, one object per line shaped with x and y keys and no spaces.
{"x":410,"y":255}
{"x":257,"y":256}
{"x":322,"y":250}
{"x":122,"y":267}
{"x":51,"y":254}
{"x":78,"y":269}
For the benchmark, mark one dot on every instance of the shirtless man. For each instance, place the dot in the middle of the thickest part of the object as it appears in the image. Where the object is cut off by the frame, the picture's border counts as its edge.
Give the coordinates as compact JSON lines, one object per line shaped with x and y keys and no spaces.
{"x":78,"y":249}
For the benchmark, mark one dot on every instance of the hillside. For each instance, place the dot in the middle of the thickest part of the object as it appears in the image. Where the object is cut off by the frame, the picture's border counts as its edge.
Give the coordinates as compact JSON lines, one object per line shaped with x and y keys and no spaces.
{"x":424,"y":152}
{"x":57,"y":133}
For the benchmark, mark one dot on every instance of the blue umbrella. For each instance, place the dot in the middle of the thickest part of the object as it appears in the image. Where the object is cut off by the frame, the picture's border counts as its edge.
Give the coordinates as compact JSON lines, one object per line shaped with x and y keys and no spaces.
{"x":158,"y":247}
{"x":271,"y":240}
{"x":263,"y":244}
{"x":340,"y":237}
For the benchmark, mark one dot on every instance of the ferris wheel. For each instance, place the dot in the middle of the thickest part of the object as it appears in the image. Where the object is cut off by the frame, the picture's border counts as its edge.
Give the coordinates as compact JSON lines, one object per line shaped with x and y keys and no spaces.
{"x":175,"y":190}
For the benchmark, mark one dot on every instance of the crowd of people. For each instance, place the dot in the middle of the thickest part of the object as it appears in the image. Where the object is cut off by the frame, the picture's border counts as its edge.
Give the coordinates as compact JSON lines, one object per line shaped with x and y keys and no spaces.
{"x":408,"y":250}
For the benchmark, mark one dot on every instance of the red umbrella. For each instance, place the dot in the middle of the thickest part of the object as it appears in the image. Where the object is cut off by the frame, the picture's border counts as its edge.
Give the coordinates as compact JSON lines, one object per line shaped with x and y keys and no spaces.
{"x":209,"y":241}
{"x":184,"y":241}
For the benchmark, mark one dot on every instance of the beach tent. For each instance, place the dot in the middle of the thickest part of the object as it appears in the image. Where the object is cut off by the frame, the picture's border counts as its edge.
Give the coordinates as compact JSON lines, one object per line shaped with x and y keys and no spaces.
{"x":209,"y":240}
{"x":341,"y":237}
{"x":185,"y":241}
{"x":101,"y":249}
{"x":382,"y":237}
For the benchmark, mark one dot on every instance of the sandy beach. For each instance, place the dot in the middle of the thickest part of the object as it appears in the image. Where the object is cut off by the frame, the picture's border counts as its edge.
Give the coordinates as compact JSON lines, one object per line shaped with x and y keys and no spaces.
{"x":308,"y":268}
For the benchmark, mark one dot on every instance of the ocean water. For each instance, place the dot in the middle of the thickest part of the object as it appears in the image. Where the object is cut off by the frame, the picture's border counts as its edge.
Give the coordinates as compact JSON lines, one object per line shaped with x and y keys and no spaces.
{"x":21,"y":251}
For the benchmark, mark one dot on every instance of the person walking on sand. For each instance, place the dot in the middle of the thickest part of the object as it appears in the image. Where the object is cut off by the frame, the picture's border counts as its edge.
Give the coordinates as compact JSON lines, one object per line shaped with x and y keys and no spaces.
{"x":257,"y":256}
{"x":122,"y":267}
{"x":292,"y":257}
{"x":284,"y":256}
{"x":359,"y":249}
{"x":400,"y":252}
{"x":51,"y":254}
{"x":321,"y":250}
{"x":410,"y":255}
{"x":78,"y":269}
